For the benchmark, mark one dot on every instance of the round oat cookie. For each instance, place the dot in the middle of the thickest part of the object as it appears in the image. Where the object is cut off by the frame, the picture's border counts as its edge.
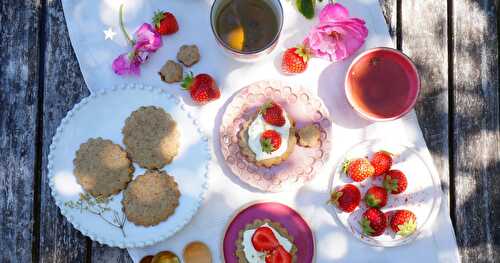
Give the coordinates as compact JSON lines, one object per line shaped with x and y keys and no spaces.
{"x":151,"y":198}
{"x":102,"y":167}
{"x":151,"y":137}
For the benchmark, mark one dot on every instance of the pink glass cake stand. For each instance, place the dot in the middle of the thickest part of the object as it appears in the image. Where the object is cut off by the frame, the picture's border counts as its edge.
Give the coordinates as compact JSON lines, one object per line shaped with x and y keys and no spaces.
{"x":303,"y":164}
{"x":296,"y":226}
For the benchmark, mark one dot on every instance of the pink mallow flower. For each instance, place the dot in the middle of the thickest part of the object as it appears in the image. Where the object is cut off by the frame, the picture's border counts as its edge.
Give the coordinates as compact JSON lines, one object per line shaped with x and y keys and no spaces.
{"x":147,"y":41}
{"x":336,"y":36}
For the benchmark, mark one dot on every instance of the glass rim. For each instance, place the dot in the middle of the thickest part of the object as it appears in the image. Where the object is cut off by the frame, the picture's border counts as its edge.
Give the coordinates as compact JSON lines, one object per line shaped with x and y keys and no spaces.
{"x":240,"y":52}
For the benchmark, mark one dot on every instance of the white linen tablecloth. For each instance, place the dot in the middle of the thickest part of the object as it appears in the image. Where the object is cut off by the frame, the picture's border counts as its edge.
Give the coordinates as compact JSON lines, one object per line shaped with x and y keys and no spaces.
{"x":86,"y":21}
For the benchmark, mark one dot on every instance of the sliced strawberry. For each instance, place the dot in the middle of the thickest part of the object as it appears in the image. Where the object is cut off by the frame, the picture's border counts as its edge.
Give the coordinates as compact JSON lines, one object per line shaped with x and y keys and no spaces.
{"x":279,"y":255}
{"x":273,"y":113}
{"x":263,"y":239}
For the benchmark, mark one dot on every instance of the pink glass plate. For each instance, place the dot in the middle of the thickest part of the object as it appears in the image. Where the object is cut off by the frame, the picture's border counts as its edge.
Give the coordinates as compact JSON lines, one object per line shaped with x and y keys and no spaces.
{"x":303,"y":163}
{"x":297,"y":227}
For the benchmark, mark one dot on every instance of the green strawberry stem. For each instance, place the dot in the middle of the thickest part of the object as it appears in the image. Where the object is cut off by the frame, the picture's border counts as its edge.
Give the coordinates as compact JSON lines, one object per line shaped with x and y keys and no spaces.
{"x":158,"y":17}
{"x":122,"y":27}
{"x":188,"y":80}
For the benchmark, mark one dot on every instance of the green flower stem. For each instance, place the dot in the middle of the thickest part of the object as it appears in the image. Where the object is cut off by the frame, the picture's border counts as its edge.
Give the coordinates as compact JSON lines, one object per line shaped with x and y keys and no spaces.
{"x":122,"y":26}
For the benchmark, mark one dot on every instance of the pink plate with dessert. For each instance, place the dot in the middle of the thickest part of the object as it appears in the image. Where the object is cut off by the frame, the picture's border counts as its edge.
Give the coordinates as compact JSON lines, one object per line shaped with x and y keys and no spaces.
{"x":275,"y":137}
{"x":268,"y":230}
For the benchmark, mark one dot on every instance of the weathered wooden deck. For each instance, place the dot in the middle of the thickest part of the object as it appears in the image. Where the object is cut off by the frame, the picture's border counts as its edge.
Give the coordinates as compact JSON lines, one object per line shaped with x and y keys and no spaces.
{"x":454,"y":44}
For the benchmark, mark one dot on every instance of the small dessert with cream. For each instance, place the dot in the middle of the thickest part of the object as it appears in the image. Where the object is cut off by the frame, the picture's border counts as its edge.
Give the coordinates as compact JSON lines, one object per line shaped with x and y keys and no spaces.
{"x":269,"y":137}
{"x":265,"y":241}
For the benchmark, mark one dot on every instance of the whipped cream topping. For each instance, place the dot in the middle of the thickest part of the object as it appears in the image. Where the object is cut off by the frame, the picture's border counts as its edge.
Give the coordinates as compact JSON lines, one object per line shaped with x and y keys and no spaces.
{"x":259,"y":126}
{"x":254,"y":256}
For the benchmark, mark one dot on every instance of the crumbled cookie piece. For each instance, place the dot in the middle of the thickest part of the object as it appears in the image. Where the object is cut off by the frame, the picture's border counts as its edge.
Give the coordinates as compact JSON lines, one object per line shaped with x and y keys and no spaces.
{"x":188,"y":55}
{"x":171,"y":72}
{"x":309,"y":136}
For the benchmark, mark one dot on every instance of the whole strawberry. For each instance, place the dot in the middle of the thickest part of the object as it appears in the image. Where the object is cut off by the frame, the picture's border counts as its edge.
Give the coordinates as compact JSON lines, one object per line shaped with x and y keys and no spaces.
{"x":373,"y":222}
{"x":295,"y":60}
{"x":272,"y":113}
{"x":202,"y":88}
{"x":270,"y":141}
{"x":376,"y":197}
{"x":165,"y":23}
{"x":404,"y":222}
{"x":395,"y":181}
{"x":346,"y":198}
{"x":382,"y":162}
{"x":358,"y":169}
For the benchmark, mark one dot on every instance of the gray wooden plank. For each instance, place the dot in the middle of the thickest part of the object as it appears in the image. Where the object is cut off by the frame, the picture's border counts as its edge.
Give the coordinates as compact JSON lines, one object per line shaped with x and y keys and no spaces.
{"x":476,"y":156}
{"x":18,"y":125}
{"x":63,"y":87}
{"x":390,"y":10}
{"x":104,"y":254}
{"x":425,"y":41}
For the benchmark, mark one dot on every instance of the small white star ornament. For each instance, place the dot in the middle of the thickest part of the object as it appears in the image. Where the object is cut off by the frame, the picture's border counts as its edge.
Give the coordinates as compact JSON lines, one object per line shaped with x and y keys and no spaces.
{"x":109,"y":34}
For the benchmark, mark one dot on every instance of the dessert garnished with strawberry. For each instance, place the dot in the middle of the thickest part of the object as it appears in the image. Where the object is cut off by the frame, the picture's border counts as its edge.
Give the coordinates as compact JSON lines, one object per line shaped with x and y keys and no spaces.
{"x":269,"y":137}
{"x":358,"y":169}
{"x":202,"y":88}
{"x":346,"y":198}
{"x":373,"y":222}
{"x":395,"y":181}
{"x":165,"y":23}
{"x":382,"y":162}
{"x":265,"y":241}
{"x":270,"y":141}
{"x":273,"y":113}
{"x":376,"y":197}
{"x":295,"y":60}
{"x":403,"y":222}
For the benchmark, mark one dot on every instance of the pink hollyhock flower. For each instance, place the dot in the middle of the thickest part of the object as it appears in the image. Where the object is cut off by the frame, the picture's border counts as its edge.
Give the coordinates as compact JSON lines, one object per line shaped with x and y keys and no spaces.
{"x":147,"y":39}
{"x":337,"y":36}
{"x":127,"y":64}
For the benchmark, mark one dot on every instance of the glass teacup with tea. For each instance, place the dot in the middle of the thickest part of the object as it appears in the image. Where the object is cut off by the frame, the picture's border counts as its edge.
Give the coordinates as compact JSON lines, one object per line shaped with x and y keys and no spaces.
{"x":247,"y":29}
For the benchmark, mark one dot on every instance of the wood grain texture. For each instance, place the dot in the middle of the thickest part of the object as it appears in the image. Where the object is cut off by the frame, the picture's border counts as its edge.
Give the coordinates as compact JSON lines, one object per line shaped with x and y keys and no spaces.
{"x":389,"y":8}
{"x":425,"y":41}
{"x":104,"y":254}
{"x":476,"y":136}
{"x":63,"y":87}
{"x":18,"y":125}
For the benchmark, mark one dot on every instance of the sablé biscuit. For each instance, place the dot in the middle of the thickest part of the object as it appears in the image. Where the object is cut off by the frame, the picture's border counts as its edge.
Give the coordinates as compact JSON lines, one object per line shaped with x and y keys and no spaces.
{"x":151,"y":198}
{"x":151,"y":137}
{"x":102,"y":168}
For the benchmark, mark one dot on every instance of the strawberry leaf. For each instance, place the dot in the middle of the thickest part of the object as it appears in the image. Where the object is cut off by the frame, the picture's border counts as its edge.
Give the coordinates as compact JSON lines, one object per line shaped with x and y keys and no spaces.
{"x":372,"y":201}
{"x":188,"y":80}
{"x":267,"y":146}
{"x":365,"y":225}
{"x":345,"y":166}
{"x":407,"y":228}
{"x":306,"y":8}
{"x":334,"y":199}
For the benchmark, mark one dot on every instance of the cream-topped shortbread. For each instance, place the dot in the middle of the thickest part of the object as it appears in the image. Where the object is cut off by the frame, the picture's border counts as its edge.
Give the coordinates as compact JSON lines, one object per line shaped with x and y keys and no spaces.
{"x":259,"y":126}
{"x":253,"y":255}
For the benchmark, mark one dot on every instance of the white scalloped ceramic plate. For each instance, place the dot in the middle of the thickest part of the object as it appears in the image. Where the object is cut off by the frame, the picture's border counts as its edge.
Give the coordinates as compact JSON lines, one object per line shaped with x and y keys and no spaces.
{"x":422,"y":196}
{"x":103,"y":115}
